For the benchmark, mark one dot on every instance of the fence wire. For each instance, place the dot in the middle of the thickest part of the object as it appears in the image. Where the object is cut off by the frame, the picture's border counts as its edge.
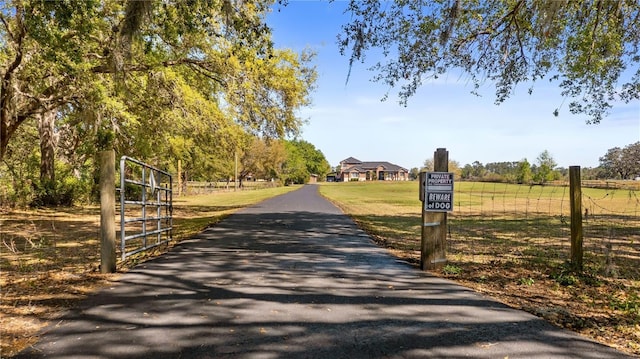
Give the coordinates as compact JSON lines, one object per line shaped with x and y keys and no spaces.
{"x":198,"y":188}
{"x":534,"y":222}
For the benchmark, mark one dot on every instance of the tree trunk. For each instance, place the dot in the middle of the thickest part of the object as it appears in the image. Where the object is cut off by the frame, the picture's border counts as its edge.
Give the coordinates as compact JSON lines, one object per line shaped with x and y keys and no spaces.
{"x":9,"y":122}
{"x":4,"y":135}
{"x":46,"y":125}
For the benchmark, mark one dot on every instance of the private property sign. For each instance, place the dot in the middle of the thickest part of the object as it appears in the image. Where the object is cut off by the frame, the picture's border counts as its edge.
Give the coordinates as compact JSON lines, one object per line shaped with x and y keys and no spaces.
{"x":438,"y":192}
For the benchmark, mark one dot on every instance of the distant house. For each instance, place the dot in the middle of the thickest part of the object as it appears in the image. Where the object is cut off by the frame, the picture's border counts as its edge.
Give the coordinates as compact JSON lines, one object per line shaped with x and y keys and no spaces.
{"x":352,"y":169}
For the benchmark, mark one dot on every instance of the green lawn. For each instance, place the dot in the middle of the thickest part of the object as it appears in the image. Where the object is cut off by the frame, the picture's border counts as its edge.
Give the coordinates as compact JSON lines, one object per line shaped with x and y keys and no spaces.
{"x":505,"y":217}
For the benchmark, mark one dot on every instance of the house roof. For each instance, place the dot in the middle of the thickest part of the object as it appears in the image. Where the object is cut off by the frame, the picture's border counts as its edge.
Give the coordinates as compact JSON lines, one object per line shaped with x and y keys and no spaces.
{"x":372,"y":166}
{"x":352,"y":164}
{"x":387,"y":166}
{"x":354,"y":168}
{"x":351,"y":161}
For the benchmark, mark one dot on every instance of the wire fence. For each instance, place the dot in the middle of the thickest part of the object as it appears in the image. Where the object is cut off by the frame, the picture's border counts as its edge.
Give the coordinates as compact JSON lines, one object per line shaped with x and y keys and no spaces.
{"x":534,"y":222}
{"x":208,"y":187}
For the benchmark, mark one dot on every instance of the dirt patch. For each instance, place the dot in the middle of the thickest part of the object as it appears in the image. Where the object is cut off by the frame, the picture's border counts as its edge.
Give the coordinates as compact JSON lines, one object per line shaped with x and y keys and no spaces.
{"x":49,"y":262}
{"x":586,"y":306}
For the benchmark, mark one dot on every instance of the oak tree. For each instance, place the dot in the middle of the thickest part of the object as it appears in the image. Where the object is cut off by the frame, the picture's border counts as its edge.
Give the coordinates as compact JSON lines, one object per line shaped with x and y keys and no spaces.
{"x":621,"y":163}
{"x":583,"y":46}
{"x":136,"y":75}
{"x":304,"y":160}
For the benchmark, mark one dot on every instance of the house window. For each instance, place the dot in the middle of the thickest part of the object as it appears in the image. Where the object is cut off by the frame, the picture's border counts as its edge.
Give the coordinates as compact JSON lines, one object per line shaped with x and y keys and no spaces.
{"x":354,"y":174}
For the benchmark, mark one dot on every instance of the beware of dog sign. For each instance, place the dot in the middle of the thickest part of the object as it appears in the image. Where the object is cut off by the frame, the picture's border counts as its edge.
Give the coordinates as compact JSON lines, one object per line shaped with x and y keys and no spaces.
{"x":438,"y":196}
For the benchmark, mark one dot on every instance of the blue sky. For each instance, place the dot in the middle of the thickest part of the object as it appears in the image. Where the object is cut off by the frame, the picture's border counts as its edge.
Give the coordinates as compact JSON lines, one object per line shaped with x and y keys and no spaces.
{"x":350,"y":120}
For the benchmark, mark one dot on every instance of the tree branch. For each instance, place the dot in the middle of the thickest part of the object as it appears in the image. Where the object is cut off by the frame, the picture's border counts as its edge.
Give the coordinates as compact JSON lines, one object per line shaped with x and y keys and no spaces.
{"x":8,"y":29}
{"x":595,"y":28}
{"x":518,"y":37}
{"x":453,"y":16}
{"x":493,"y":29}
{"x":8,"y":124}
{"x":105,"y":69}
{"x":18,"y":40}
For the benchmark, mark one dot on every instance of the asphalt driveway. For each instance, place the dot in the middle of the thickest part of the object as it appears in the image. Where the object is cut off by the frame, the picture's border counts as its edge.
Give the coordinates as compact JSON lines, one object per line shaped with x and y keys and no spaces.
{"x":292,"y":277}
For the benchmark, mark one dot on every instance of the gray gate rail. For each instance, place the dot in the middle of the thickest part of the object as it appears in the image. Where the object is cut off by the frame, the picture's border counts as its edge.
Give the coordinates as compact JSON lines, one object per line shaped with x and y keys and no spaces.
{"x":150,"y":190}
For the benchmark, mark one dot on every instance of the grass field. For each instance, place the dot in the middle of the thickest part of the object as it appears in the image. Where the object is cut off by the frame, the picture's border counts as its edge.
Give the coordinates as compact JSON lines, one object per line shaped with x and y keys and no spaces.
{"x":512,"y":242}
{"x":49,"y":257}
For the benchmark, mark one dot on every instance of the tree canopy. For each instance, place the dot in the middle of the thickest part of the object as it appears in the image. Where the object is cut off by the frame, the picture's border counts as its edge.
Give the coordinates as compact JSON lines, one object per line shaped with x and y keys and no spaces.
{"x":522,"y":171}
{"x":157,"y":80}
{"x":54,"y":52}
{"x":583,"y":46}
{"x":304,"y":160}
{"x":621,"y":163}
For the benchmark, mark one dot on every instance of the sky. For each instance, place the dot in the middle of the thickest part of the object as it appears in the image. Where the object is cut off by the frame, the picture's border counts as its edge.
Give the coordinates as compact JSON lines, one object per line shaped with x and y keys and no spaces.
{"x":349,"y":119}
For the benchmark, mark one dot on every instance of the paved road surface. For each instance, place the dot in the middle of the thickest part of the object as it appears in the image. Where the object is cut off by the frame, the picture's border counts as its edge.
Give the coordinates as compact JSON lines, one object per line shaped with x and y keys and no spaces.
{"x":292,"y":277}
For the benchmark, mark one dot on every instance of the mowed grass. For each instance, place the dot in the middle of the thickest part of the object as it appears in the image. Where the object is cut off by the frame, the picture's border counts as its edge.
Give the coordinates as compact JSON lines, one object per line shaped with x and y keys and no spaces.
{"x":49,"y":257}
{"x":513,"y":242}
{"x":497,"y":212}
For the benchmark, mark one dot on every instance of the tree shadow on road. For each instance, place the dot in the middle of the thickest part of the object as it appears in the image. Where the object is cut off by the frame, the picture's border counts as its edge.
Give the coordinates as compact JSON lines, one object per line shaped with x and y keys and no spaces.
{"x":295,"y":285}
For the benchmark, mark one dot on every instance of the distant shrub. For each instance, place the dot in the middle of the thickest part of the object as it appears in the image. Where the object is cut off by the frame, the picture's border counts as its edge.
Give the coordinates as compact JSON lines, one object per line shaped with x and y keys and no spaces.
{"x":493,"y":177}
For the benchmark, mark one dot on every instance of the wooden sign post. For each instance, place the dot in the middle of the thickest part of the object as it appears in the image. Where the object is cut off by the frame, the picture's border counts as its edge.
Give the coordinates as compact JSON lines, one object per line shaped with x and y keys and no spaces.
{"x":435,"y":206}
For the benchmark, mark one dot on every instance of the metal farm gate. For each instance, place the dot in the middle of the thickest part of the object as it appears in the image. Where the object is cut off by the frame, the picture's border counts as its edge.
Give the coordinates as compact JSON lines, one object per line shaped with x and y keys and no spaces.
{"x":146,"y":206}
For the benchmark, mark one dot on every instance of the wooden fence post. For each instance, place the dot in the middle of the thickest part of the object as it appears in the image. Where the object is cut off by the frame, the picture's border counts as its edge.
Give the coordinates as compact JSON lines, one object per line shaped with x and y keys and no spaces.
{"x":434,"y":224}
{"x":107,"y":211}
{"x":575,"y":193}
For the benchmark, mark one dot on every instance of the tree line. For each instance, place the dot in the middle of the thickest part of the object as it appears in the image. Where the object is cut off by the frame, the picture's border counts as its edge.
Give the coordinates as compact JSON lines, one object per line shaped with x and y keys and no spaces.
{"x":288,"y":161}
{"x":617,"y":163}
{"x":197,"y":81}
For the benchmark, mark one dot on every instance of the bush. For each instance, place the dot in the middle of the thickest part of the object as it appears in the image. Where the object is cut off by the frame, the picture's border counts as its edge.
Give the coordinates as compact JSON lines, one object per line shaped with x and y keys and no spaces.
{"x":15,"y":195}
{"x":133,"y":192}
{"x":66,"y":192}
{"x":50,"y":193}
{"x":493,"y":177}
